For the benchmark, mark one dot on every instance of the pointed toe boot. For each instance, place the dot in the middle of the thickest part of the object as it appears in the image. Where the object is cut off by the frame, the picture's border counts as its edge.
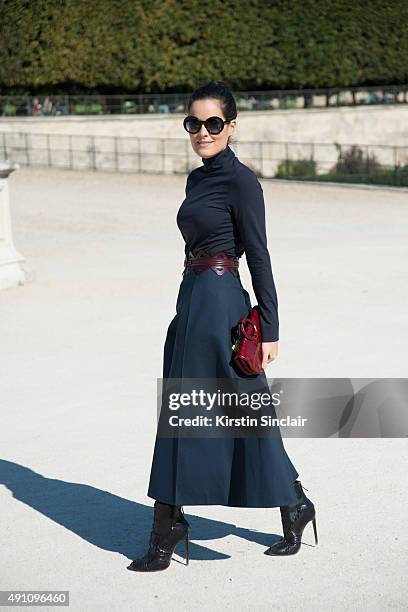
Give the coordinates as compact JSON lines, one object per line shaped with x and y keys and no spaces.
{"x":169,"y":527}
{"x":294,"y":520}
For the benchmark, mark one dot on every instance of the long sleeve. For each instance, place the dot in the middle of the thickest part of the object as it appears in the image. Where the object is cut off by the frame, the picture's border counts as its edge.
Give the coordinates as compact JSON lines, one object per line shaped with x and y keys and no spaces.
{"x":247,"y":207}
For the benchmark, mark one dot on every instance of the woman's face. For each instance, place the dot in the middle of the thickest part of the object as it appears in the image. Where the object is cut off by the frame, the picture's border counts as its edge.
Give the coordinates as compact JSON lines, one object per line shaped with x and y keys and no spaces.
{"x":204,"y":143}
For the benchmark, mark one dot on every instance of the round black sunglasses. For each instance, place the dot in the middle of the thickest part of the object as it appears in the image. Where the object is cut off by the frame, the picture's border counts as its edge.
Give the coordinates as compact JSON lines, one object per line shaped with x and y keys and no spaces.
{"x":213,"y":125}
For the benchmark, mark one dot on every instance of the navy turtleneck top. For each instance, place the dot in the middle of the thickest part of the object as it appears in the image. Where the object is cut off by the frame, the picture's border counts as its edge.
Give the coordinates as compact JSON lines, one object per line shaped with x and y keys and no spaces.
{"x":224,"y":210}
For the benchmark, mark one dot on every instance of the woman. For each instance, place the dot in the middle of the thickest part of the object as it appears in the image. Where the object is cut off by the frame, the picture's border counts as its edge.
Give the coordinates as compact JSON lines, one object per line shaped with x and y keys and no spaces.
{"x":222,"y":216}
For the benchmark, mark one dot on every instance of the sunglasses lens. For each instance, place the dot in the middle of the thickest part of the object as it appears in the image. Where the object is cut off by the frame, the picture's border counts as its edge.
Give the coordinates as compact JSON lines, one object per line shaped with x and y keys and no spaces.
{"x":214,"y":125}
{"x":192,"y":125}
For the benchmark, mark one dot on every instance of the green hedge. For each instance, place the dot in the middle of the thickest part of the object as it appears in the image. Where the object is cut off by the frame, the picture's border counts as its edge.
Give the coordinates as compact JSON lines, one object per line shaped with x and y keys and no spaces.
{"x":352,"y":166}
{"x":172,"y":45}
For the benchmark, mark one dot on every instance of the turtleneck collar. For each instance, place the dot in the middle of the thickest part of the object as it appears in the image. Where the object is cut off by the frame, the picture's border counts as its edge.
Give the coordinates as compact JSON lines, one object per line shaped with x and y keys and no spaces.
{"x":218,"y":160}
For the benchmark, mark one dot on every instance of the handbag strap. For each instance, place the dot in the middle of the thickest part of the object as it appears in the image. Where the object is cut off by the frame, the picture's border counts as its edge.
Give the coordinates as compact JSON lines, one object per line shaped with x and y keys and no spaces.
{"x":246,"y":320}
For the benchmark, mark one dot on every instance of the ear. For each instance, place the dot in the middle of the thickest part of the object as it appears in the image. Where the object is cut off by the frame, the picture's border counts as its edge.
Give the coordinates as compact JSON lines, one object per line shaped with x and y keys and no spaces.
{"x":232,"y":125}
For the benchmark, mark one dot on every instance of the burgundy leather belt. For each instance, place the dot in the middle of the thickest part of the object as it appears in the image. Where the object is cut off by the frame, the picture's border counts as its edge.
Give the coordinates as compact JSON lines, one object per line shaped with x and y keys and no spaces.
{"x":219,"y":262}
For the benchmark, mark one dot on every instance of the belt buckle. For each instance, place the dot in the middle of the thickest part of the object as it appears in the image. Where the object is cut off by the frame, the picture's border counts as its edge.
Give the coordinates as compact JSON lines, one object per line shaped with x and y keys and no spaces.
{"x":218,"y":269}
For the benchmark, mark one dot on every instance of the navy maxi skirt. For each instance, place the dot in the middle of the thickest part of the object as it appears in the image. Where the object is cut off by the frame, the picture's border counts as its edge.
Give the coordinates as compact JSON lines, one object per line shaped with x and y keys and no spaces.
{"x":243,"y":472}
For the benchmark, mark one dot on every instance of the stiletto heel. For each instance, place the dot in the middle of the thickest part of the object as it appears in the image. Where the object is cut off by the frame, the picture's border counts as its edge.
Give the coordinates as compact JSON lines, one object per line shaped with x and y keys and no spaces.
{"x":186,"y":547}
{"x":315,"y":530}
{"x":294,"y":520}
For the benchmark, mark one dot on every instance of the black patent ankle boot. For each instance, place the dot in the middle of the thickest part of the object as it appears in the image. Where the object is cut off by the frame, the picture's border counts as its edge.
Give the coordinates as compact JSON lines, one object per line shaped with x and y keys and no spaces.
{"x":294,"y":520}
{"x":169,"y":527}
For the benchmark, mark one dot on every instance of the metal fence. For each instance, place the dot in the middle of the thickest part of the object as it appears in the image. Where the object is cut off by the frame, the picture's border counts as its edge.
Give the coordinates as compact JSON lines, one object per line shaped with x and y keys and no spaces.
{"x":60,"y":105}
{"x":268,"y":159}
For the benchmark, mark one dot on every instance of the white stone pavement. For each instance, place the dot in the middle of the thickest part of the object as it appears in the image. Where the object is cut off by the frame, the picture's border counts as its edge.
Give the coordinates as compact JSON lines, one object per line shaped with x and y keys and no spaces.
{"x":78,"y":397}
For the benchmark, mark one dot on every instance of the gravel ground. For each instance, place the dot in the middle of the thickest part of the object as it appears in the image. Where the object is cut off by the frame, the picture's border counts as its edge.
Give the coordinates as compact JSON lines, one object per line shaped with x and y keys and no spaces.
{"x":78,"y":397}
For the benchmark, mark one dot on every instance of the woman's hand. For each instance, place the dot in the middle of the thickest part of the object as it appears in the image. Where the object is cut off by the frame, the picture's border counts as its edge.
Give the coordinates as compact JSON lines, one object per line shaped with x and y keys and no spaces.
{"x":269,"y":352}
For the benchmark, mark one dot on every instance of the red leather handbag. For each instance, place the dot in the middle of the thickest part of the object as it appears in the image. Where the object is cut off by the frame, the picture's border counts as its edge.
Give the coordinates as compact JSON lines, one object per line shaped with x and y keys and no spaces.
{"x":248,"y":344}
